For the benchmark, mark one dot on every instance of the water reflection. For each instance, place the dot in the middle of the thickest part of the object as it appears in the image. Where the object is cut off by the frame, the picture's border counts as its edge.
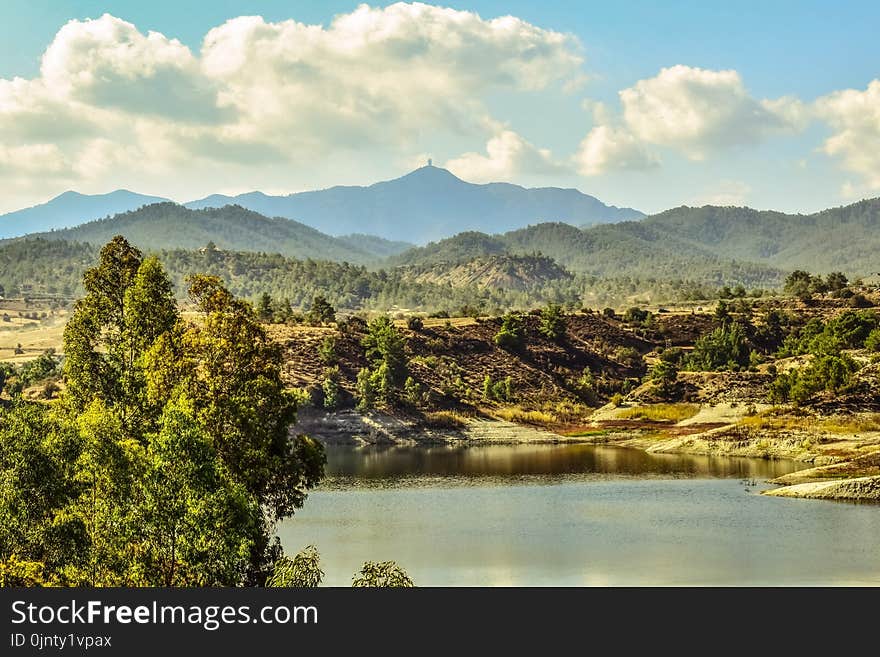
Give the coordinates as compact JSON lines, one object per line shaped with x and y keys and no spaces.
{"x":392,"y":466}
{"x":588,"y":515}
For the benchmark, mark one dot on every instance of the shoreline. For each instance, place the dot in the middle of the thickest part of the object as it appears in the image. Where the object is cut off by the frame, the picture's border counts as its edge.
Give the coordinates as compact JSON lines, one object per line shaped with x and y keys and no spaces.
{"x":844,"y":467}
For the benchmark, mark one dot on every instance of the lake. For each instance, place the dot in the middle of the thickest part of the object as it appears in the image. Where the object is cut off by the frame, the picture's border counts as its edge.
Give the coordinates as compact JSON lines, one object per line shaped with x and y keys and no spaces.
{"x":577,"y":515}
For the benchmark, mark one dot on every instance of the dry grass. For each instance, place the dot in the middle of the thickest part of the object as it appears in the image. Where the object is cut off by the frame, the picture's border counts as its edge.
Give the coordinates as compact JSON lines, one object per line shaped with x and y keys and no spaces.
{"x":522,"y":416}
{"x":445,"y":420}
{"x":837,"y":424}
{"x":661,"y":412}
{"x":34,"y":337}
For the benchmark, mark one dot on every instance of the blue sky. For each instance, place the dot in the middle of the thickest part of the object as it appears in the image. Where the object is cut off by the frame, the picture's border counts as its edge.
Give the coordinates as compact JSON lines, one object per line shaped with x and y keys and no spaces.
{"x":644,"y":104}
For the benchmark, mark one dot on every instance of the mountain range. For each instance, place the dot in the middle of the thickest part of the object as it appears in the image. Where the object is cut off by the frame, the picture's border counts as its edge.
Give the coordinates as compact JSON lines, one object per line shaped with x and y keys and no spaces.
{"x":232,"y":228}
{"x":427,"y":204}
{"x":71,"y":209}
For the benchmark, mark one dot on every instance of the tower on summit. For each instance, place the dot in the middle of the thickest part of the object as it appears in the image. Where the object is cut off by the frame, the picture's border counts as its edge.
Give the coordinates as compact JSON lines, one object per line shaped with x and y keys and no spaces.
{"x":430,"y":162}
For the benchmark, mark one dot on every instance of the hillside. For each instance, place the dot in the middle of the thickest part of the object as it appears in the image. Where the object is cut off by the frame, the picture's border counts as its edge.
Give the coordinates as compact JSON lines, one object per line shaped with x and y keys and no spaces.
{"x":615,"y":250}
{"x":71,"y":209}
{"x":168,"y":225}
{"x":506,"y":272}
{"x":838,"y":239}
{"x":427,"y":204}
{"x":40,"y":267}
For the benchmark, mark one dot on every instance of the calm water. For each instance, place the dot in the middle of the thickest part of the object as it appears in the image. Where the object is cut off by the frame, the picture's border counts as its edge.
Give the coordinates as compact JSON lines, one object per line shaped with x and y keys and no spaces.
{"x":577,"y":515}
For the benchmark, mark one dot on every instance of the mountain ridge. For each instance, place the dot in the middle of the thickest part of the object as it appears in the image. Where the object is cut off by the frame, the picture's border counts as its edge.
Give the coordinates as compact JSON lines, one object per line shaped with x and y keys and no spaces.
{"x":443,"y":203}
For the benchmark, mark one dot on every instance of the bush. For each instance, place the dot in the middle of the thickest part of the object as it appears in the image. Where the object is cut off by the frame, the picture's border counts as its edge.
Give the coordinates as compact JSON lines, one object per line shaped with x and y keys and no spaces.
{"x":664,"y":375}
{"x":872,"y":342}
{"x":635,"y":315}
{"x":552,"y":324}
{"x":512,"y":334}
{"x":327,"y":352}
{"x":414,"y":323}
{"x":413,"y":393}
{"x":726,"y":347}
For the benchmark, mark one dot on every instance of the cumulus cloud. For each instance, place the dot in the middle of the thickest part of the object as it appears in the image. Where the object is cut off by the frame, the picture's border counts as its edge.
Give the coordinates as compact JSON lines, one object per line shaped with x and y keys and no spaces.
{"x":854,"y":118}
{"x":607,"y":148}
{"x":690,"y":110}
{"x":507,"y":155}
{"x":698,"y":110}
{"x":374,"y":81}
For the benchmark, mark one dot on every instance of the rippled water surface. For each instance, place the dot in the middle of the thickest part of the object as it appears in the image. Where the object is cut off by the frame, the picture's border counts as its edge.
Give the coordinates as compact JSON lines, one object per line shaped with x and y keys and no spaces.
{"x":577,"y":515}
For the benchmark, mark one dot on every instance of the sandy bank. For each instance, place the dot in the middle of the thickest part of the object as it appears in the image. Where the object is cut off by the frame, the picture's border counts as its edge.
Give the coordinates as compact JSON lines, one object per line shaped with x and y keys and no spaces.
{"x":855,"y":489}
{"x":348,"y":427}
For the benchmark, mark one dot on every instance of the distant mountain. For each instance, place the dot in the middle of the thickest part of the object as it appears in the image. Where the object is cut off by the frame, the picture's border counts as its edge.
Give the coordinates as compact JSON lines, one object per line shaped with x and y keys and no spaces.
{"x":845,"y":238}
{"x":602,"y":251}
{"x":427,"y":204}
{"x":71,"y":209}
{"x":710,"y":243}
{"x":231,"y":228}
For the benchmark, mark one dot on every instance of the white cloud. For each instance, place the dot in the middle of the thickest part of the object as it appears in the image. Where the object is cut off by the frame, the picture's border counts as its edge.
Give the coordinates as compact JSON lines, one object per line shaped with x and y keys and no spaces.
{"x":608,"y":148}
{"x":854,"y":117}
{"x":507,"y":155}
{"x":262,"y":96}
{"x":697,"y":111}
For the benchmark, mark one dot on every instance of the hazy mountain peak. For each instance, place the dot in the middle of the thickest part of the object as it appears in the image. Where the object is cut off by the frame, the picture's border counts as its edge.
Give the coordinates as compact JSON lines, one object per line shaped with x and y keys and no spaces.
{"x":70,"y":209}
{"x":428,"y":203}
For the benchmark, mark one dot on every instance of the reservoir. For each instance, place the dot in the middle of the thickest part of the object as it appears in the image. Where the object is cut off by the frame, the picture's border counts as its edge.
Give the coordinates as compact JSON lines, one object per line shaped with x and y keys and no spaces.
{"x":577,"y":515}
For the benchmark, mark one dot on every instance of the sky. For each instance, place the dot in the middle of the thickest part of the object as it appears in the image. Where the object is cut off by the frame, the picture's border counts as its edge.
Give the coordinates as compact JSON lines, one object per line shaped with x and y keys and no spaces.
{"x":775,"y":105}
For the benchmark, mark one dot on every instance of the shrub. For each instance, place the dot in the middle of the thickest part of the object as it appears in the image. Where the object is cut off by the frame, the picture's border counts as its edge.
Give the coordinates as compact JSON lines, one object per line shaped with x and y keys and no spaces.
{"x":327,"y":351}
{"x":664,"y":375}
{"x":512,"y":334}
{"x":552,"y":324}
{"x":415,"y":323}
{"x":724,"y":348}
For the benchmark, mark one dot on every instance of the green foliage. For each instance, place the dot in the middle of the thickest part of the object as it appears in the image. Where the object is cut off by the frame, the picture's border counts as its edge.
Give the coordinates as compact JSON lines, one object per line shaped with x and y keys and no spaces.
{"x":872,"y":342}
{"x":384,"y":347}
{"x":727,"y":347}
{"x":512,"y":334}
{"x":635,"y":315}
{"x":327,"y":351}
{"x":501,"y":390}
{"x":664,"y":374}
{"x":832,"y":373}
{"x":630,"y":357}
{"x":552,"y":324}
{"x":168,"y":460}
{"x":37,"y":370}
{"x":385,"y":574}
{"x":413,"y":393}
{"x":264,"y":309}
{"x":365,"y":392}
{"x":321,"y":312}
{"x":303,"y":571}
{"x":848,"y":330}
{"x":798,"y":284}
{"x":330,"y":388}
{"x":128,"y":305}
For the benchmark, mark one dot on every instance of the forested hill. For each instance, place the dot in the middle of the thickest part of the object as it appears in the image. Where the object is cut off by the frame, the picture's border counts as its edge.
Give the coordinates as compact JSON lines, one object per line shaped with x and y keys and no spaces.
{"x":709,"y":243}
{"x":54,"y":268}
{"x":630,"y":249}
{"x":838,"y":239}
{"x":71,"y":209}
{"x":428,"y":204}
{"x":169,"y":226}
